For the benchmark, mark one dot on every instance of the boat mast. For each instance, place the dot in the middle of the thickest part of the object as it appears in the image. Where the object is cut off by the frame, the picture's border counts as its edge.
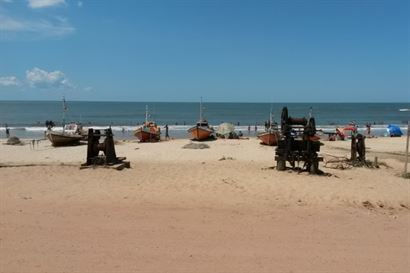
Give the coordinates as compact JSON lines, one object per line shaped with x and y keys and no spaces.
{"x":200,"y":110}
{"x":64,"y":110}
{"x":146,"y":113}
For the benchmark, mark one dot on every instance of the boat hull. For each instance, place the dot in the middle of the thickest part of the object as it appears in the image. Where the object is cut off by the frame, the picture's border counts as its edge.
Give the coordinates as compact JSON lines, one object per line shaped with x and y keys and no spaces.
{"x":200,"y":133}
{"x":144,"y":136}
{"x":269,"y":138}
{"x":62,"y":139}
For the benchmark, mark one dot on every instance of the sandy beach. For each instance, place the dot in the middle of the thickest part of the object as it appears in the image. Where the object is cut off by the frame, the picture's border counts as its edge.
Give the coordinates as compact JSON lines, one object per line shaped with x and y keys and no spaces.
{"x":228,"y":74}
{"x":222,"y":209}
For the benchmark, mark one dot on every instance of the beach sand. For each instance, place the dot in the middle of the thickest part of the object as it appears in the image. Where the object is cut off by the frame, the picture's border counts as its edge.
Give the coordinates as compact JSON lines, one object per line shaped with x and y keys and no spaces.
{"x":222,"y":209}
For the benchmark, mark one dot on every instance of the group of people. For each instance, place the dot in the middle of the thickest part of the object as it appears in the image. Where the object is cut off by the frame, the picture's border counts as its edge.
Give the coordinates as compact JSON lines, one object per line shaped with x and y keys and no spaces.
{"x":269,"y":124}
{"x":49,"y":124}
{"x":355,"y":128}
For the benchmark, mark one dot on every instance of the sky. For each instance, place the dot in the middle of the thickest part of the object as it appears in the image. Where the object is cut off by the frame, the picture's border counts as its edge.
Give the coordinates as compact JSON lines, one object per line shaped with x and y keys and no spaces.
{"x":224,"y":51}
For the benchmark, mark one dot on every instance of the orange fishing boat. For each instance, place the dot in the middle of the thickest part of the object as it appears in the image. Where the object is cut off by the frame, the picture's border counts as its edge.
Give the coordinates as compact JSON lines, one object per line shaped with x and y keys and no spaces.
{"x":270,"y":138}
{"x":149,"y":131}
{"x":201,"y":130}
{"x":272,"y":135}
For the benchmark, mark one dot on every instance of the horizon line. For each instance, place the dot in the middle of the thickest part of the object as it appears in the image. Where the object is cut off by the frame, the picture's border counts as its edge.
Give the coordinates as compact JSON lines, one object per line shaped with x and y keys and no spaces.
{"x":258,"y":102}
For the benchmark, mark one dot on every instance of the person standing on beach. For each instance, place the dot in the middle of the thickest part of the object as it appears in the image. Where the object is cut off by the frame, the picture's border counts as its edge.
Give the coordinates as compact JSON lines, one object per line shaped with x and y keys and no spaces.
{"x":7,"y":131}
{"x":249,"y":129}
{"x":369,"y":128}
{"x":256,"y":127}
{"x":166,"y":132}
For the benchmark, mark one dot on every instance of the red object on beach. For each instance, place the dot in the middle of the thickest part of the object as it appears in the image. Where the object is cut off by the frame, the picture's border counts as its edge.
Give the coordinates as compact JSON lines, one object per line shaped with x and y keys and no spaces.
{"x":342,"y":133}
{"x":350,"y":128}
{"x":149,"y":132}
{"x":269,"y":138}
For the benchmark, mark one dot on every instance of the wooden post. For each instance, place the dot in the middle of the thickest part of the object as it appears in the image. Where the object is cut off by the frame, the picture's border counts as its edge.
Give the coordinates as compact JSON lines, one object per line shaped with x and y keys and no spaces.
{"x":361,"y":147}
{"x":353,"y":152}
{"x":90,"y":146}
{"x":109,"y":147}
{"x":407,"y":148}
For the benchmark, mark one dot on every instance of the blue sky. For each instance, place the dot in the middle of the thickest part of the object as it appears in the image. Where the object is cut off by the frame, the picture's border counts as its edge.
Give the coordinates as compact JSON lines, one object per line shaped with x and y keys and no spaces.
{"x":239,"y":51}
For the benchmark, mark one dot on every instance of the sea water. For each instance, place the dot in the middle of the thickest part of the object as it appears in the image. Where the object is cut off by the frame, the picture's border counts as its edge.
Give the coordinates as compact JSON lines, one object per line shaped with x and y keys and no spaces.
{"x":26,"y":119}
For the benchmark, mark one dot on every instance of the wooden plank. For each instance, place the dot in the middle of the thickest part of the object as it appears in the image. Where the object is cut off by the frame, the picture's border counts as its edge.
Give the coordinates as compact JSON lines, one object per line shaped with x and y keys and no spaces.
{"x":119,"y":166}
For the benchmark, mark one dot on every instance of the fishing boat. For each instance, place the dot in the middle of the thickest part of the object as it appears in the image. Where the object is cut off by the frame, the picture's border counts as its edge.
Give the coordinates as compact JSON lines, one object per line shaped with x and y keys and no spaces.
{"x":202,"y":130}
{"x":66,"y":137}
{"x":269,"y":138}
{"x":71,"y":135}
{"x":149,"y":131}
{"x":272,"y":135}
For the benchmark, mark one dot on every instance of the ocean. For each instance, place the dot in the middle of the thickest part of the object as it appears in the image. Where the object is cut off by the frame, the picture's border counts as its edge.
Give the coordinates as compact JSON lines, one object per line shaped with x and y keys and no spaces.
{"x":26,"y":118}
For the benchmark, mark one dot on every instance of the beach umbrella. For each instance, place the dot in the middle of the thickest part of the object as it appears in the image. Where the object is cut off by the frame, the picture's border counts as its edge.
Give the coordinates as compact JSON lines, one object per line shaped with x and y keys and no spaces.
{"x":225,"y":129}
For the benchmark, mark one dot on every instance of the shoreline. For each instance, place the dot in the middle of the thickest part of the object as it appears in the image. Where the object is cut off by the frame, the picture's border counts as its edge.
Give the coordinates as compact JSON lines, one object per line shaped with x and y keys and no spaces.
{"x":180,"y":131}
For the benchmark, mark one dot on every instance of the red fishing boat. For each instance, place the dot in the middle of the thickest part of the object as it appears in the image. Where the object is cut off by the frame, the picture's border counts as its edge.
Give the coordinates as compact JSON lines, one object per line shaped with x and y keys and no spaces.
{"x":149,"y":131}
{"x":269,"y":138}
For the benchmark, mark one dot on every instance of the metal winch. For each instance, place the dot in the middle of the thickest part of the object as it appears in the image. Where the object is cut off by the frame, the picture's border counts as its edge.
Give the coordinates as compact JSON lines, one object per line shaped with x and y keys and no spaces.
{"x":298,"y":142}
{"x":108,"y":156}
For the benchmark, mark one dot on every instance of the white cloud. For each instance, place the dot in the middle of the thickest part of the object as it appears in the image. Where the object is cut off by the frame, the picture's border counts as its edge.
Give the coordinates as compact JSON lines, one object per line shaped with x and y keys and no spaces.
{"x":39,"y":78}
{"x":58,"y":27}
{"x":10,"y":24}
{"x":9,"y":81}
{"x":35,"y":4}
{"x":79,"y":4}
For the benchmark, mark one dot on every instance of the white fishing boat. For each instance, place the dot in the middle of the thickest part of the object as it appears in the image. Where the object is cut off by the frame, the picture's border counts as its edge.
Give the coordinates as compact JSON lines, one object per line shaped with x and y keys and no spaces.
{"x":71,"y":134}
